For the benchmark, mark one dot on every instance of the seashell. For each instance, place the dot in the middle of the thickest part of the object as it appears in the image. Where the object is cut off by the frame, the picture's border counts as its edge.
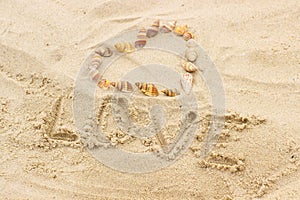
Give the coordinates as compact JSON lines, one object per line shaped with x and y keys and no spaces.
{"x":123,"y":86}
{"x":187,"y":82}
{"x":124,"y":47}
{"x":170,"y":92}
{"x":188,"y":35}
{"x":180,"y":30}
{"x":191,"y":55}
{"x":153,"y":29}
{"x":148,"y":89}
{"x":168,"y":27}
{"x":104,"y":51}
{"x":95,"y":75}
{"x":95,"y":61}
{"x":189,"y":67}
{"x":104,"y":83}
{"x":191,"y":51}
{"x":141,"y":39}
{"x":191,"y":43}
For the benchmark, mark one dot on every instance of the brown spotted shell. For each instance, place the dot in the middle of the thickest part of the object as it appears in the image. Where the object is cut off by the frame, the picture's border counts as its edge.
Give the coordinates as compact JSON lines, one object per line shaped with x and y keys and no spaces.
{"x":124,"y":47}
{"x":153,"y":29}
{"x":189,"y":67}
{"x":180,"y":30}
{"x":104,"y":51}
{"x":168,"y":27}
{"x":123,"y":86}
{"x":141,"y":39}
{"x":148,"y":89}
{"x":170,"y":92}
{"x":188,"y":35}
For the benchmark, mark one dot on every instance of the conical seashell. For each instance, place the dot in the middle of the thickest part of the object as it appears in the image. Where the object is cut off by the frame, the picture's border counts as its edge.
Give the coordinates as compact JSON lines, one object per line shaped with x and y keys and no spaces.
{"x":187,"y":82}
{"x":141,"y":39}
{"x":188,"y":35}
{"x":104,"y":51}
{"x":153,"y":29}
{"x":95,"y":75}
{"x":180,"y":30}
{"x":123,"y":86}
{"x":124,"y":47}
{"x":189,"y":67}
{"x":168,"y":27}
{"x":148,"y":89}
{"x":170,"y":92}
{"x":95,"y":61}
{"x":104,"y":83}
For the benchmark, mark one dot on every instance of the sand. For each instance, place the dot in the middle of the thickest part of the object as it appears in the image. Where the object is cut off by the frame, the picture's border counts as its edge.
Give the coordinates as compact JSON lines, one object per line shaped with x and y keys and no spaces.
{"x":255,"y":47}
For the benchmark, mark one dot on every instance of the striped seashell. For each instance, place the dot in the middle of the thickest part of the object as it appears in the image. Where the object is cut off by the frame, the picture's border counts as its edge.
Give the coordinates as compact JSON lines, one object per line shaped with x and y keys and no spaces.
{"x":188,"y":35}
{"x":153,"y":29}
{"x":168,"y":27}
{"x":141,"y":39}
{"x":189,"y":67}
{"x":170,"y":92}
{"x":187,"y":82}
{"x":123,"y":86}
{"x":124,"y":47}
{"x":104,"y":83}
{"x":148,"y":89}
{"x":95,"y":61}
{"x":104,"y":51}
{"x":95,"y":75}
{"x":180,"y":30}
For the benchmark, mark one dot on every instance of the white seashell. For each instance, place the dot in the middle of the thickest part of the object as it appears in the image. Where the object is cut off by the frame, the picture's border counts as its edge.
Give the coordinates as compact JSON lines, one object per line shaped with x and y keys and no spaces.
{"x":191,"y":54}
{"x":186,"y":82}
{"x":191,"y":43}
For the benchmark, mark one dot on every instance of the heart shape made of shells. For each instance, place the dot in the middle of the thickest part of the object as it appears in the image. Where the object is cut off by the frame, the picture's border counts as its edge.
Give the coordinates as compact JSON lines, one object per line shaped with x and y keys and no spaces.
{"x":148,"y":89}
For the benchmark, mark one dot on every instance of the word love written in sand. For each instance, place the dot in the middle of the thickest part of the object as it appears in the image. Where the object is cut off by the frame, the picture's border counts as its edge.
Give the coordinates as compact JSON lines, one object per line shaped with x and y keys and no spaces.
{"x":112,"y":130}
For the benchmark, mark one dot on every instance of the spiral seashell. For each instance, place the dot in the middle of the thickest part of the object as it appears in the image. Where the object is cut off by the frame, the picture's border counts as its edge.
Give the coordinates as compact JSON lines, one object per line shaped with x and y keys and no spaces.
{"x":191,"y":55}
{"x":170,"y":92}
{"x":95,"y":75}
{"x":180,"y":30}
{"x":104,"y":51}
{"x":141,"y":39}
{"x":123,"y":86}
{"x":148,"y":89}
{"x":168,"y":27}
{"x":95,"y":61}
{"x":186,"y":82}
{"x":104,"y":83}
{"x":124,"y":47}
{"x":189,"y":67}
{"x":153,"y":29}
{"x":188,"y":35}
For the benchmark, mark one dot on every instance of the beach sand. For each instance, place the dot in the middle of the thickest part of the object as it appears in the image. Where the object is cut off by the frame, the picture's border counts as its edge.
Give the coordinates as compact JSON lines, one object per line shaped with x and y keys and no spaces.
{"x":255,"y":46}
